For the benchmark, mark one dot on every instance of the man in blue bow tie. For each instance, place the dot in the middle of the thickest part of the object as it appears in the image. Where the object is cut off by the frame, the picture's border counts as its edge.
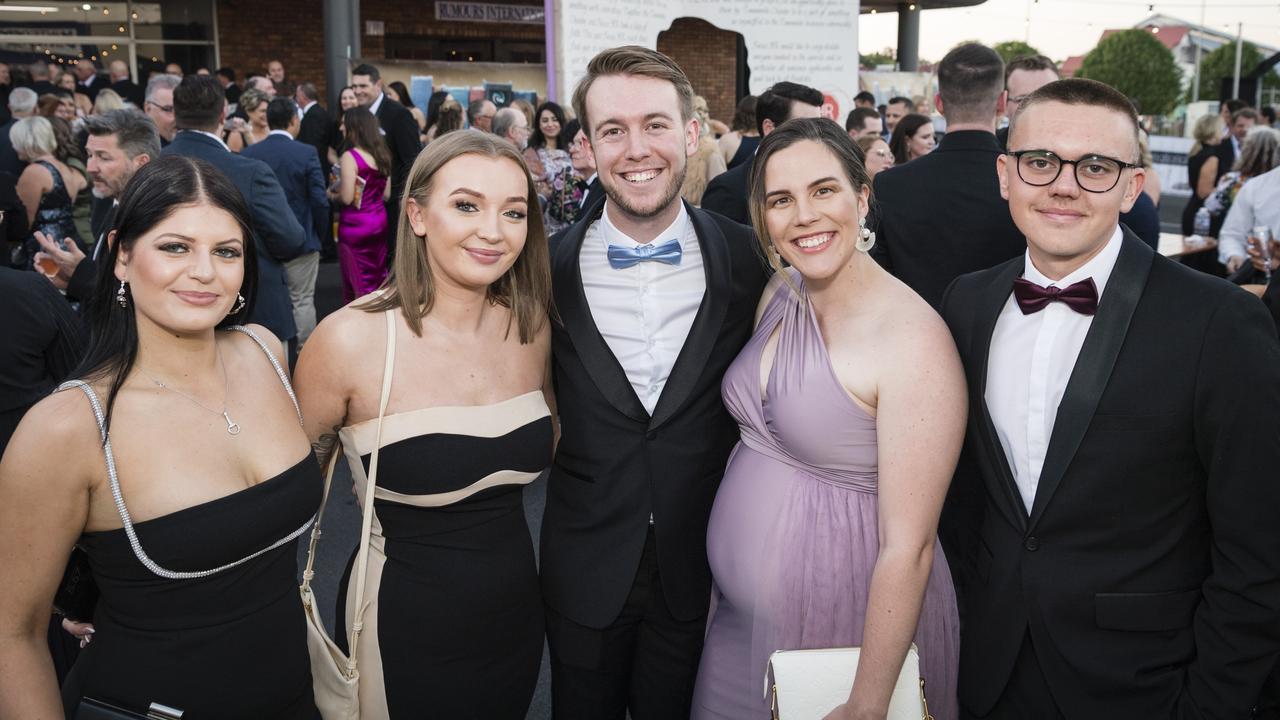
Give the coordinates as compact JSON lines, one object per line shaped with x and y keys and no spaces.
{"x":1124,"y":435}
{"x":656,"y":299}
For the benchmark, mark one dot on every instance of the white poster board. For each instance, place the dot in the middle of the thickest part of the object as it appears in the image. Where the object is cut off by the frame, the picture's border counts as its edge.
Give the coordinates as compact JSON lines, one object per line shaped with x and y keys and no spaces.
{"x":814,"y":43}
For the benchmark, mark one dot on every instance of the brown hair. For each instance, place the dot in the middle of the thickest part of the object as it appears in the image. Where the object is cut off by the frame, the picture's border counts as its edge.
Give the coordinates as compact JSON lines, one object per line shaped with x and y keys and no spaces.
{"x":632,"y":60}
{"x":1029,"y":63}
{"x":1081,"y":91}
{"x":361,"y":130}
{"x":525,"y":289}
{"x":823,"y":131}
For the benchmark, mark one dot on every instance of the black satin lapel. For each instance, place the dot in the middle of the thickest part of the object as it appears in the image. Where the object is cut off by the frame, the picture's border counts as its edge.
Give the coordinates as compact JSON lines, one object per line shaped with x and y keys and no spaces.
{"x":986,"y":314}
{"x":571,"y":304}
{"x":1093,"y":368}
{"x":717,"y":264}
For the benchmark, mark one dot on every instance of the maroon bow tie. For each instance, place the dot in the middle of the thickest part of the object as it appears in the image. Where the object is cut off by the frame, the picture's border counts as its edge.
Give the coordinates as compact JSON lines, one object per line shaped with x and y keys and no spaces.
{"x":1081,"y":297}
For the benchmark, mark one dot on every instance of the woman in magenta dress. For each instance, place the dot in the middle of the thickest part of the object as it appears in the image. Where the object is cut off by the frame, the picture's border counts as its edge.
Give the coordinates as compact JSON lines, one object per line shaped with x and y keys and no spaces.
{"x":851,"y":401}
{"x":362,"y":189}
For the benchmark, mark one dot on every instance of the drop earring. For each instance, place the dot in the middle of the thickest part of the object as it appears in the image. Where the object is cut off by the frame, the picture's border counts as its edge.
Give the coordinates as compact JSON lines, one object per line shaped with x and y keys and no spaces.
{"x":866,"y":238}
{"x":122,"y":295}
{"x":238,"y":306}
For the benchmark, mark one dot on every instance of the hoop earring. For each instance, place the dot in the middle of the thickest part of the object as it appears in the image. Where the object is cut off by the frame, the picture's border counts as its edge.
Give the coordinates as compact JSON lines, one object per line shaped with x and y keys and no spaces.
{"x":122,"y":295}
{"x":240,"y":303}
{"x":866,"y":238}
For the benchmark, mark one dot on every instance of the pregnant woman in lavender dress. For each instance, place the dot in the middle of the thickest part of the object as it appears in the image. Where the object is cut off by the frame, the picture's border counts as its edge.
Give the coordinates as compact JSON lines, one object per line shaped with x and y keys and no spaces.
{"x":851,"y":402}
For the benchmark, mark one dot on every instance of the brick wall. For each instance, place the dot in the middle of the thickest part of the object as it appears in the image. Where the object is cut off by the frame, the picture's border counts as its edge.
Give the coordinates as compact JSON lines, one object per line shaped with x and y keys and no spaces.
{"x":253,"y":32}
{"x":708,"y":56}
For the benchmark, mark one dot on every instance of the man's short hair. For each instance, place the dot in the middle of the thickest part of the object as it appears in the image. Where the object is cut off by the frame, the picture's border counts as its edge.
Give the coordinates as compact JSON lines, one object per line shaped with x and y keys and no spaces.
{"x":1269,"y":112}
{"x":899,"y":100}
{"x":1244,"y":112}
{"x":504,"y":120}
{"x":22,"y":100}
{"x":1235,"y":105}
{"x":970,"y":80}
{"x":198,"y":102}
{"x":866,"y":97}
{"x":280,"y":112}
{"x":161,"y":81}
{"x":858,"y":117}
{"x":1080,"y":91}
{"x":1030,"y":63}
{"x":135,"y":133}
{"x":637,"y":61}
{"x":228,"y":73}
{"x":774,"y":104}
{"x":474,"y":108}
{"x":309,"y":91}
{"x":367,"y":69}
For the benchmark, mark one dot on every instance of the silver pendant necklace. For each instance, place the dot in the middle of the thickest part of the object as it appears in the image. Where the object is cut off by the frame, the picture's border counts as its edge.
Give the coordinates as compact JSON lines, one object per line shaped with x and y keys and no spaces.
{"x":233,"y":427}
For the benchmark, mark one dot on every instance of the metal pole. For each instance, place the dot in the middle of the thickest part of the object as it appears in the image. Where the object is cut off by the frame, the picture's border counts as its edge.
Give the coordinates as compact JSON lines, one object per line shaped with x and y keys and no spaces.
{"x":908,"y":37}
{"x":1195,"y":85}
{"x":549,"y":23}
{"x":337,"y":42}
{"x":1235,"y":84}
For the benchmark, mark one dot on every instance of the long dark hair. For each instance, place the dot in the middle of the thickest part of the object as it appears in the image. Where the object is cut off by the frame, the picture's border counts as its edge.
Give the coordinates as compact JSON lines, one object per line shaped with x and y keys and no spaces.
{"x":433,"y":106}
{"x":902,"y":134}
{"x":403,"y":93}
{"x":362,"y":131}
{"x":160,"y":187}
{"x":537,"y":139}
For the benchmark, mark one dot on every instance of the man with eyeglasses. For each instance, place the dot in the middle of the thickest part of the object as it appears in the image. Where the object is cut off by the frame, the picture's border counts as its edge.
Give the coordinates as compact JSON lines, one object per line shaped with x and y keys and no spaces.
{"x":1024,"y":75}
{"x":159,"y":105}
{"x":1127,"y":563}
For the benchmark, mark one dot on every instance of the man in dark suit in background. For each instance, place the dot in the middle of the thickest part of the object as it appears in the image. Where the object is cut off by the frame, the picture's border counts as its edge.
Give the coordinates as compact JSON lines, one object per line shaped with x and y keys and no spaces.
{"x":39,"y":71}
{"x":1127,"y":564}
{"x":22,"y":104}
{"x":227,"y":79}
{"x":941,"y":215}
{"x":727,"y":192}
{"x":1242,"y":121}
{"x":122,"y":84}
{"x":200,"y":107}
{"x":400,"y":130}
{"x":644,"y":435}
{"x":1022,"y":76}
{"x":120,"y":142}
{"x":314,"y":131}
{"x":88,"y":81}
{"x":298,"y":171}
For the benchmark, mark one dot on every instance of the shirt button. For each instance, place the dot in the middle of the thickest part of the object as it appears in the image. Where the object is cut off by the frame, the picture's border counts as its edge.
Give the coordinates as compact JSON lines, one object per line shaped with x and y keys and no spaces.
{"x":1031,"y":544}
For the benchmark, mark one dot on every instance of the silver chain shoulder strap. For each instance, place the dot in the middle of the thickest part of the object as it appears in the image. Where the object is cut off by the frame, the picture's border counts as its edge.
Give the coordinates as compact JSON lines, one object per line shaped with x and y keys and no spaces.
{"x":127,"y":521}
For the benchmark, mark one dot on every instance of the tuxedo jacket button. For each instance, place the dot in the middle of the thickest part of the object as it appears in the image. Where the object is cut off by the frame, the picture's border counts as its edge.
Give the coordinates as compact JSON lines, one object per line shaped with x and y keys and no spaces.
{"x":651,"y":435}
{"x":1031,"y":544}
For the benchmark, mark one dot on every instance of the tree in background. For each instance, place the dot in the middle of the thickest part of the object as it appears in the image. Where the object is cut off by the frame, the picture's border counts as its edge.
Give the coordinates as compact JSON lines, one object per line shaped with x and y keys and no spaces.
{"x":1011,"y":49}
{"x":1138,"y":65}
{"x":871,"y":60}
{"x":1221,"y":63}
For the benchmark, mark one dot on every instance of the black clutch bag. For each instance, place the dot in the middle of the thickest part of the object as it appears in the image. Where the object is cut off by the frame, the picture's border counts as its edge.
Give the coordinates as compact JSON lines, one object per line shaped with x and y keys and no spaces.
{"x":77,"y":593}
{"x":91,"y":709}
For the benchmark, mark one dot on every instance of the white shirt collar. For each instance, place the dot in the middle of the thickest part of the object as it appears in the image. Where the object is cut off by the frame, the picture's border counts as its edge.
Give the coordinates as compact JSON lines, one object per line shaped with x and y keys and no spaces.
{"x":675,"y":231}
{"x":307,"y":107}
{"x":592,"y":178}
{"x":280,"y":132}
{"x":376,"y":104}
{"x":1099,"y":267}
{"x":211,"y":135}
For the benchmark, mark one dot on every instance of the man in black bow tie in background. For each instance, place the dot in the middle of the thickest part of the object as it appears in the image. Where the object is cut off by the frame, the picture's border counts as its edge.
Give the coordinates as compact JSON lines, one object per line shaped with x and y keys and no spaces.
{"x":1125,"y":428}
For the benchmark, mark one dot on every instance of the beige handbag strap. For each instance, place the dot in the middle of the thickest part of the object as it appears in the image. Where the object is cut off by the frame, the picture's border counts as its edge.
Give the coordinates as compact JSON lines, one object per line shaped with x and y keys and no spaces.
{"x":366,"y":525}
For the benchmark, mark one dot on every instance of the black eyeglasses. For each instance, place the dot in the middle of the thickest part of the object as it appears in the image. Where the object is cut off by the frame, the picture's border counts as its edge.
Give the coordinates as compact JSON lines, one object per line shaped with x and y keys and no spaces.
{"x":1093,"y":173}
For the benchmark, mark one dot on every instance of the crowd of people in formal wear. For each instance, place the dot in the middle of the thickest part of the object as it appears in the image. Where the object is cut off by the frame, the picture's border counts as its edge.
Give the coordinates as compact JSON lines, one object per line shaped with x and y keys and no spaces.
{"x":798,"y":385}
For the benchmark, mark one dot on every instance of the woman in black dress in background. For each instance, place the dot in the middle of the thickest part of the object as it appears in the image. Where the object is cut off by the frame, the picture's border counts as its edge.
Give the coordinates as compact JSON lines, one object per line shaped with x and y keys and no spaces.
{"x":179,"y":465}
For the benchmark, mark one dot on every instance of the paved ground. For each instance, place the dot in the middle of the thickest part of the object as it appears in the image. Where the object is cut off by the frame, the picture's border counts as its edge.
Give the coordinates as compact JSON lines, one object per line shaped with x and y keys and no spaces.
{"x":342,"y":521}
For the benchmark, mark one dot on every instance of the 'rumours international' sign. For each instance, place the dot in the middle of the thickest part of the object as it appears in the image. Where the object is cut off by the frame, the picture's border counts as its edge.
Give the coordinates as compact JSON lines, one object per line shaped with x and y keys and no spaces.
{"x":490,"y":12}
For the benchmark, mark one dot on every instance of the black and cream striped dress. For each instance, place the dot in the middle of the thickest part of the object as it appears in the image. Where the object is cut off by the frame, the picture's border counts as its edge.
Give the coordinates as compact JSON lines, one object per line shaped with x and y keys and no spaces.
{"x":453,"y":616}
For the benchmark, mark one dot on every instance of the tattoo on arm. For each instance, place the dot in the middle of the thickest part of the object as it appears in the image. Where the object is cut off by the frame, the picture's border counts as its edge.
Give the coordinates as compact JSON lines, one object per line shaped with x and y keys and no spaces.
{"x":325,"y":447}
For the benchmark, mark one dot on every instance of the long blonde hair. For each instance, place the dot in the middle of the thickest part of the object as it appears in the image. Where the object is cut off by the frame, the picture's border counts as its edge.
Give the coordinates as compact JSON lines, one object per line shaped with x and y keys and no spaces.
{"x":525,"y":288}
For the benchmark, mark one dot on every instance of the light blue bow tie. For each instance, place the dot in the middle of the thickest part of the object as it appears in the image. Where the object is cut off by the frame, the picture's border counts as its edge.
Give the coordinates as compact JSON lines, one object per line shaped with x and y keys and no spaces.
{"x":624,"y":257}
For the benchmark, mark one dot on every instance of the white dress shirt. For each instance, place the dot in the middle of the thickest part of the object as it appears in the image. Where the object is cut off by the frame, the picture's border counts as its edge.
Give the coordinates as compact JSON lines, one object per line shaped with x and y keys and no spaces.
{"x":1257,"y":203}
{"x":302,"y":111}
{"x":1029,"y":363}
{"x":644,"y":312}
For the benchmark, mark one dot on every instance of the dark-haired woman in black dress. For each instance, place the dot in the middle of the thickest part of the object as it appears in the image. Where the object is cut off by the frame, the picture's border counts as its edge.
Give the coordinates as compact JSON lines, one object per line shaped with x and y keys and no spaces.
{"x":179,"y":464}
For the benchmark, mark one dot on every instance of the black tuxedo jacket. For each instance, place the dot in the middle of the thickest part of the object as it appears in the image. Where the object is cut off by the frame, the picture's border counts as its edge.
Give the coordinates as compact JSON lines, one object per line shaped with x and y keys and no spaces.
{"x":85,"y":277}
{"x":278,"y":236}
{"x":1148,"y":570}
{"x":942,"y":216}
{"x":129,"y":91}
{"x":615,"y":463}
{"x":594,"y":192}
{"x":727,"y":193}
{"x":401,"y":132}
{"x":314,"y":131}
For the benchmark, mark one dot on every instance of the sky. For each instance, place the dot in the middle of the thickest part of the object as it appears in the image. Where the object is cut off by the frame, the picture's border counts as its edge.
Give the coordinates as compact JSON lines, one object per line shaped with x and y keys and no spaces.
{"x":1060,"y":28}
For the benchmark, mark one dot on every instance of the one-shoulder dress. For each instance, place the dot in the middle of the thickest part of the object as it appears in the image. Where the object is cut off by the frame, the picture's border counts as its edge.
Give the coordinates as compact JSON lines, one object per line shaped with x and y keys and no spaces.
{"x":792,"y":538}
{"x":453,"y":618}
{"x":362,"y":234}
{"x":226,"y":637}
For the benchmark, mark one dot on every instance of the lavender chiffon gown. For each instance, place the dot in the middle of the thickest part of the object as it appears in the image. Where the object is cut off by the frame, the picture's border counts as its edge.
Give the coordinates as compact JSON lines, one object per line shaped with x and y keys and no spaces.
{"x":793,"y":533}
